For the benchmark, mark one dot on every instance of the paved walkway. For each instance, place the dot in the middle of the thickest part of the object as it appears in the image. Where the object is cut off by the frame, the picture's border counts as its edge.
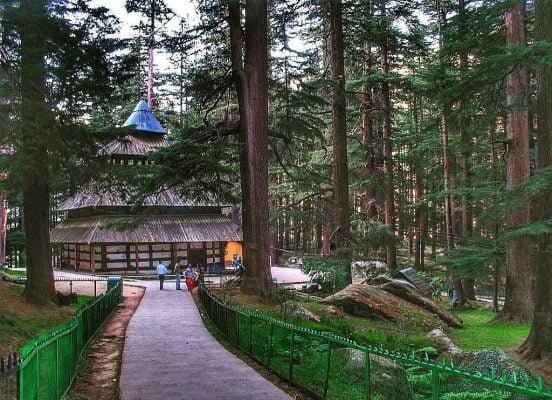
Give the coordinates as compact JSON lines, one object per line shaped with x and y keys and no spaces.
{"x":169,"y":354}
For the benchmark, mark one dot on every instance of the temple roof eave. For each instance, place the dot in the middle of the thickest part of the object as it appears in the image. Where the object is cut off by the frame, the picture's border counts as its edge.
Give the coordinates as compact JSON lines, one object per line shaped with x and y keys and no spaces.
{"x":150,"y":229}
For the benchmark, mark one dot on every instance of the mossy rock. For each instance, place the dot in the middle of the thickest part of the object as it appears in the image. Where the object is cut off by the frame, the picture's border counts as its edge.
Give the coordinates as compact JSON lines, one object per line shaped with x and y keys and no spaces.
{"x":485,"y":361}
{"x":388,"y":379}
{"x":293,"y":309}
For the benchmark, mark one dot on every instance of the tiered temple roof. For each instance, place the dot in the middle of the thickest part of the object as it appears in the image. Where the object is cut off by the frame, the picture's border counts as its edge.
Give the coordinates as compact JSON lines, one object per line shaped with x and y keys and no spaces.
{"x":105,"y":231}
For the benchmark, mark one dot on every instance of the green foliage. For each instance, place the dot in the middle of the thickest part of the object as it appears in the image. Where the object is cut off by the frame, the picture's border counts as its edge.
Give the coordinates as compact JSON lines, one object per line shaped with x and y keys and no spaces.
{"x":474,"y":258}
{"x":437,"y":283}
{"x":481,"y":331}
{"x":329,"y":273}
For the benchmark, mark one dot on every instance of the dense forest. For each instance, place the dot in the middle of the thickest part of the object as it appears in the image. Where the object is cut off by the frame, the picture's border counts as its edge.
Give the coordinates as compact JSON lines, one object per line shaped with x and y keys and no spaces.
{"x":412,"y":132}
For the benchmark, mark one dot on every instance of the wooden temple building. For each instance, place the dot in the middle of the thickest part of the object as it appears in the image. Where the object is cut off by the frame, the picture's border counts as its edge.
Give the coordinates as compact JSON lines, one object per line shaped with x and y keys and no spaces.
{"x":165,"y":227}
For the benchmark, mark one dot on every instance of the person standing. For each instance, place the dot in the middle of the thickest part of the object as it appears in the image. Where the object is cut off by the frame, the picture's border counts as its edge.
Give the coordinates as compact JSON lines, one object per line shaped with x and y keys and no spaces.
{"x":190,"y":275}
{"x":161,"y":271}
{"x":177,"y":273}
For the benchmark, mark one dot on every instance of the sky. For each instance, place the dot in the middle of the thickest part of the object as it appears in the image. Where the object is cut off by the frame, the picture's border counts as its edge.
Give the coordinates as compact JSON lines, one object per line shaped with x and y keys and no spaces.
{"x":182,"y":8}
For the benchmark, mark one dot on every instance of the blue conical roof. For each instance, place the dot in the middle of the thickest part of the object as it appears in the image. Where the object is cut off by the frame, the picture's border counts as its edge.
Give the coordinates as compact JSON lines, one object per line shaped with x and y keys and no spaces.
{"x":143,"y":119}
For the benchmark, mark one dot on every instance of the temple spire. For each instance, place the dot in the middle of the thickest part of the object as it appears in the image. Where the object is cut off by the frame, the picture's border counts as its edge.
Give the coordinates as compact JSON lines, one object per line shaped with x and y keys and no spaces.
{"x":143,"y":119}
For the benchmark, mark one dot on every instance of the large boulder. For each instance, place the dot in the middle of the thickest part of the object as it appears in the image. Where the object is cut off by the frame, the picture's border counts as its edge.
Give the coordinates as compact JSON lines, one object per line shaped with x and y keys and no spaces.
{"x":408,"y":292}
{"x":388,"y":379}
{"x":364,"y":271}
{"x":375,"y":303}
{"x":487,"y":359}
{"x":293,"y":309}
{"x":443,"y":342}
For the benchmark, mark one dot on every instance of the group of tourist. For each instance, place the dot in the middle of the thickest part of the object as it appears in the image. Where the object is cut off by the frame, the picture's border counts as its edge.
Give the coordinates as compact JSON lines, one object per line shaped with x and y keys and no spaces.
{"x":191,"y":274}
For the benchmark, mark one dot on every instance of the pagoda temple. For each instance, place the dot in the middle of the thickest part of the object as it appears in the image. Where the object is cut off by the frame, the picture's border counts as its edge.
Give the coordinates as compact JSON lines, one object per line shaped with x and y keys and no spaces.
{"x":165,"y":227}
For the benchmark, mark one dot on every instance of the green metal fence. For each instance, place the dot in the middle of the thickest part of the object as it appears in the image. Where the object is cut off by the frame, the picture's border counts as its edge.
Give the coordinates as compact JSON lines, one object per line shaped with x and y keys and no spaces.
{"x":332,"y":367}
{"x":49,"y":361}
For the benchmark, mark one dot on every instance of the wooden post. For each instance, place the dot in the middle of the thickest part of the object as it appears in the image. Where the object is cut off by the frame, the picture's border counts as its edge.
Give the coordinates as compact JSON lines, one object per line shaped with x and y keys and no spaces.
{"x":104,"y":257}
{"x":137,"y":257}
{"x":93,"y":258}
{"x":173,"y":254}
{"x":128,"y":256}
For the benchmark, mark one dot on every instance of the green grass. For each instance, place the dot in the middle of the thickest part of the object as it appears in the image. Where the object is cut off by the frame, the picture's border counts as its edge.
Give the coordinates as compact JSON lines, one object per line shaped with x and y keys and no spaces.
{"x":480,"y":331}
{"x":20,"y":321}
{"x":392,"y":336}
{"x":14,"y":273}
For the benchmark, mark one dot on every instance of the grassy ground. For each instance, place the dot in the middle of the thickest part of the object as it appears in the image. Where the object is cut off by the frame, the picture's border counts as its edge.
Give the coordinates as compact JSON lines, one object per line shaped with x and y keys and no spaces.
{"x":20,"y":321}
{"x":480,"y":331}
{"x":405,"y":337}
{"x":14,"y":273}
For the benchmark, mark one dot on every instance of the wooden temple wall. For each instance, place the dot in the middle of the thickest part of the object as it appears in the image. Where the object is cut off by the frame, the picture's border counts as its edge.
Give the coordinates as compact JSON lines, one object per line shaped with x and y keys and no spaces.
{"x":124,"y":257}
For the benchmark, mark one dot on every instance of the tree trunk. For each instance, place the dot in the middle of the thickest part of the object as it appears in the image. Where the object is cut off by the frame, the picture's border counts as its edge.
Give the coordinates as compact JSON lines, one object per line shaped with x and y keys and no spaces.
{"x":274,"y":248}
{"x":326,"y":245}
{"x":252,"y":87}
{"x":339,"y":124}
{"x":387,"y":147}
{"x":36,"y":126}
{"x":538,"y":344}
{"x":518,"y":305}
{"x":419,"y":216}
{"x":367,"y":128}
{"x":465,"y":146}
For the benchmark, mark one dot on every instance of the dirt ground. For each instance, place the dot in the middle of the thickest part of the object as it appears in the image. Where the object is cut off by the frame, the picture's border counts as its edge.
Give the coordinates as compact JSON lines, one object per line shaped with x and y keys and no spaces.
{"x":98,"y":375}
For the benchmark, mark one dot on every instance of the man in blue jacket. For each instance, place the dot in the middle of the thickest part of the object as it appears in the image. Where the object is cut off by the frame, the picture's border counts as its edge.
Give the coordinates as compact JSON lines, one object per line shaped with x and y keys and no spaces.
{"x":161,"y":271}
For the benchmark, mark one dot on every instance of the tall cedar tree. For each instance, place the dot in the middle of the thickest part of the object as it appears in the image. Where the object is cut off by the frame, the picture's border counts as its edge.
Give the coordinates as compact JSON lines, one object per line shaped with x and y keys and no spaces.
{"x":387,"y":140}
{"x":251,"y":79}
{"x":518,"y":305}
{"x":538,"y":344}
{"x":36,"y":126}
{"x":339,"y":125}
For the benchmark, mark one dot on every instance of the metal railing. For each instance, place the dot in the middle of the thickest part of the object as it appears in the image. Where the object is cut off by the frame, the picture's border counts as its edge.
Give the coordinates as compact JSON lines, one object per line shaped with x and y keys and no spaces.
{"x":332,"y":367}
{"x":8,"y":376}
{"x":48,"y":363}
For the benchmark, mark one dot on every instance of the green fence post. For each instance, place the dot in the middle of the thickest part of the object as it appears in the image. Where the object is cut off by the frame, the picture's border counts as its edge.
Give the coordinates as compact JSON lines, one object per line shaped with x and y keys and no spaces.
{"x":57,"y":368}
{"x":238,"y":328}
{"x":291,"y":346}
{"x":226,"y":322}
{"x":270,"y":343}
{"x":250,"y":344}
{"x":328,"y":363}
{"x":434,"y":383}
{"x":367,"y":374}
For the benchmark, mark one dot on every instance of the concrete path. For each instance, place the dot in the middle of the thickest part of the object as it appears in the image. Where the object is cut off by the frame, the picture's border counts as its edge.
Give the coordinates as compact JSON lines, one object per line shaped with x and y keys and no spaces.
{"x":169,"y":354}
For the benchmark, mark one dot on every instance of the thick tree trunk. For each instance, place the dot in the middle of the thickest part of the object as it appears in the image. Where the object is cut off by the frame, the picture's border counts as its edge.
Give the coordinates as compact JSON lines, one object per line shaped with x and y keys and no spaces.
{"x":518,"y":305}
{"x":36,"y":126}
{"x":388,"y":149}
{"x":339,"y":124}
{"x":252,"y":88}
{"x":538,"y":344}
{"x":326,"y":245}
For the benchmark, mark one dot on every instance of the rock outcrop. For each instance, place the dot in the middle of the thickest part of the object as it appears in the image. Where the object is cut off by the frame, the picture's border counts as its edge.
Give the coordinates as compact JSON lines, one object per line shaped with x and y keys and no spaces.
{"x":443,"y":342}
{"x":293,"y":309}
{"x":409,"y":293}
{"x":364,"y":271}
{"x":375,"y":303}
